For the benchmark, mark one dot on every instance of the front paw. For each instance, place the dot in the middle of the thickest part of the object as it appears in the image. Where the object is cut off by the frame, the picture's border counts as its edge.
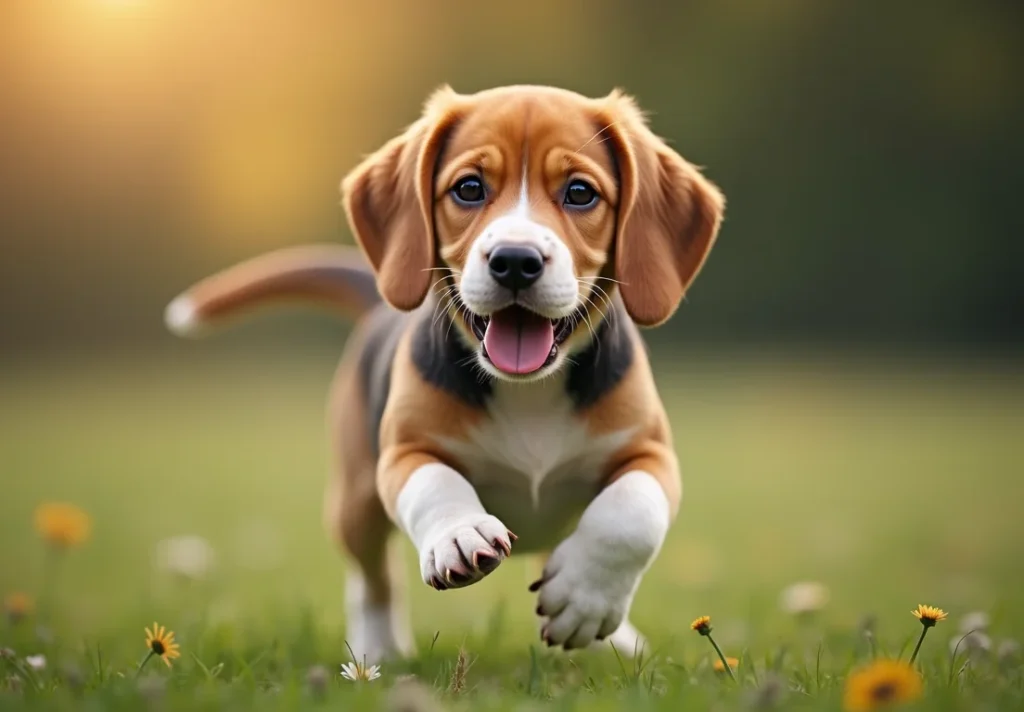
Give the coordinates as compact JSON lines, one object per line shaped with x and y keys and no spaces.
{"x":584,"y":594}
{"x":462,"y":552}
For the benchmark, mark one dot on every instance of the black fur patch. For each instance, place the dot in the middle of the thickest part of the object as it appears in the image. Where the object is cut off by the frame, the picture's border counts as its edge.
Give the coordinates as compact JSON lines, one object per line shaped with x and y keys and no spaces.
{"x":445,"y":362}
{"x":385,"y":328}
{"x":602,"y":365}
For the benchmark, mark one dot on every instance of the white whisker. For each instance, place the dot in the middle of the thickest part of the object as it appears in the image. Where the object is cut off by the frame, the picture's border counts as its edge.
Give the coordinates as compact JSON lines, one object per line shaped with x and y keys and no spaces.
{"x":595,"y":279}
{"x":600,"y":293}
{"x":446,"y":269}
{"x":591,"y":139}
{"x":444,"y":302}
{"x":459,"y":308}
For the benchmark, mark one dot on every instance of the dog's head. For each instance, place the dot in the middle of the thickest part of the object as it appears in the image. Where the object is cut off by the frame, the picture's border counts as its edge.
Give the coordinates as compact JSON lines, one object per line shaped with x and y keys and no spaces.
{"x":523,"y":208}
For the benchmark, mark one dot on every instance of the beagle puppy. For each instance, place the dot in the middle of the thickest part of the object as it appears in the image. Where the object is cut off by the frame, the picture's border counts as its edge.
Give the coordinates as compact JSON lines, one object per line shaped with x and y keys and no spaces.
{"x":495,"y":394}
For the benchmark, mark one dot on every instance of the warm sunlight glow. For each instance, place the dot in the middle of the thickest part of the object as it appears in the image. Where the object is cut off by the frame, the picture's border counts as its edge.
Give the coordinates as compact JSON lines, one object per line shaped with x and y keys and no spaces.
{"x":119,"y":6}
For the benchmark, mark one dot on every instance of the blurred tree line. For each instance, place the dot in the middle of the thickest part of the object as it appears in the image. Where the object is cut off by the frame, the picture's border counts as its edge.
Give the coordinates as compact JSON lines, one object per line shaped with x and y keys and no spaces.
{"x":871,"y":152}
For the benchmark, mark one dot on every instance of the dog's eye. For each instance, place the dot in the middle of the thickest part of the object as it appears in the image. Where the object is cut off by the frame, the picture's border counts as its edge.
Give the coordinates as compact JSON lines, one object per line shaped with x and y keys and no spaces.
{"x":580,"y":194}
{"x":469,"y":191}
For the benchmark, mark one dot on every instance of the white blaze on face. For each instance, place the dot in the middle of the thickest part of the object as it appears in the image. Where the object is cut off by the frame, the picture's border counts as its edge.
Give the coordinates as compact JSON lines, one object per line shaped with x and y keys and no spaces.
{"x":519,"y":339}
{"x":522,"y":208}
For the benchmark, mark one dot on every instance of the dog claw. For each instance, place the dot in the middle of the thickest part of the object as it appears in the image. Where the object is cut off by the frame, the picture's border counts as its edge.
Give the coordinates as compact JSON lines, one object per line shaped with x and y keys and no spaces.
{"x":499,"y":544}
{"x":535,"y":586}
{"x":511,"y":535}
{"x":540,"y":611}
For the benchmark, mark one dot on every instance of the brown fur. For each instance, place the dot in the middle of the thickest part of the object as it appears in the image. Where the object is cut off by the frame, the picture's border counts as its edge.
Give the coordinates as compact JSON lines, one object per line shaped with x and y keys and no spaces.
{"x":668,"y":219}
{"x":635,"y":402}
{"x":416,"y":413}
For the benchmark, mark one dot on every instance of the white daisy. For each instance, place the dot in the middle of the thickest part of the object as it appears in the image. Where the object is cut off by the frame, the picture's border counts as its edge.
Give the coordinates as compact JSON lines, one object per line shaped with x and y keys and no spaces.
{"x":190,"y":557}
{"x":359,"y":671}
{"x":1009,"y":650}
{"x":974,"y":621}
{"x":804,"y":597}
{"x":36,"y":662}
{"x":974,"y":643}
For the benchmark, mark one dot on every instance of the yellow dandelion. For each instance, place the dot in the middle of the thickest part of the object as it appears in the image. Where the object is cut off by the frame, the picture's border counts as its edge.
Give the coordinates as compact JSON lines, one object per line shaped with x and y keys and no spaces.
{"x":160,"y":642}
{"x":62,"y":525}
{"x":881,"y":684}
{"x":17,"y":606}
{"x":702,"y":625}
{"x":929,"y":615}
{"x":719,"y":666}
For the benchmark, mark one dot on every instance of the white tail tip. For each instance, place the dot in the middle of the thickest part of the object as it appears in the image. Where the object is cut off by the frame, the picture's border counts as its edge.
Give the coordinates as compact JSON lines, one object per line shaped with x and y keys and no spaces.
{"x":180,"y":317}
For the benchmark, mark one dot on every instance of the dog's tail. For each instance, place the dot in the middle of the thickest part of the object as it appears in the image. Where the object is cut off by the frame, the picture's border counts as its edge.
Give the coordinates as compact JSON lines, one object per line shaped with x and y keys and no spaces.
{"x":331,"y":275}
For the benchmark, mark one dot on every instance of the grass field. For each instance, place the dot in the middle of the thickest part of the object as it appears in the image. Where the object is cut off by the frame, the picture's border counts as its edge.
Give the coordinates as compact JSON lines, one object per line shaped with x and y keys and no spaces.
{"x":893,"y":483}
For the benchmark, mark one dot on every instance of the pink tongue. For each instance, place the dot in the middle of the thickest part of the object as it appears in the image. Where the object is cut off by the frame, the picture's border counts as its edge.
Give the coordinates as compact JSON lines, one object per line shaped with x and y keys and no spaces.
{"x":518,"y":341}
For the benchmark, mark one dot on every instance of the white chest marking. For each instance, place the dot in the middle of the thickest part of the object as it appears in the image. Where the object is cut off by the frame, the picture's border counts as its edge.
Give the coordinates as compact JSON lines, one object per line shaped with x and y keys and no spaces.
{"x":532,"y":442}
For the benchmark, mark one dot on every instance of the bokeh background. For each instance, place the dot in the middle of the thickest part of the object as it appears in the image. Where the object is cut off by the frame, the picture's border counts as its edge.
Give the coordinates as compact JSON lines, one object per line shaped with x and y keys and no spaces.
{"x":844,"y":378}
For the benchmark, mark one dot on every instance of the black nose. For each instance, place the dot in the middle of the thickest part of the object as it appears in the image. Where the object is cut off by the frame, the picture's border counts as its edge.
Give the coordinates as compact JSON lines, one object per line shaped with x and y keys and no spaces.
{"x":516,"y":267}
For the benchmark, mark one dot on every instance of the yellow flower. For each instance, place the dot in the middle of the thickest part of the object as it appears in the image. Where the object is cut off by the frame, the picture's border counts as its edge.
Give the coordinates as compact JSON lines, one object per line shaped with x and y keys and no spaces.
{"x":928,"y":615}
{"x":62,"y":525}
{"x":17,"y":606}
{"x":881,"y":683}
{"x":160,"y":641}
{"x":702,"y":625}
{"x":719,"y":666}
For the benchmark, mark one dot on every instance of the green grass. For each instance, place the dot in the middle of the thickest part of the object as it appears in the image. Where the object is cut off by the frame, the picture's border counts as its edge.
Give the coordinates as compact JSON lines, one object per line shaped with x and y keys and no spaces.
{"x":894,"y":483}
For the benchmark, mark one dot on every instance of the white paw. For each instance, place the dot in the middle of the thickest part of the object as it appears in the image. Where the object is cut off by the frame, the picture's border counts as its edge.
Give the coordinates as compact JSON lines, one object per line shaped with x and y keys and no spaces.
{"x":585,"y":592}
{"x":460,"y":552}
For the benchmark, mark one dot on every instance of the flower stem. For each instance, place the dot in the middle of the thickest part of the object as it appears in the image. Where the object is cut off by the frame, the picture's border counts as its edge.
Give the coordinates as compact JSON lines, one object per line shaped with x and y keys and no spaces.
{"x":49,"y":584}
{"x":924,"y":631}
{"x":728,"y":667}
{"x":143,"y":663}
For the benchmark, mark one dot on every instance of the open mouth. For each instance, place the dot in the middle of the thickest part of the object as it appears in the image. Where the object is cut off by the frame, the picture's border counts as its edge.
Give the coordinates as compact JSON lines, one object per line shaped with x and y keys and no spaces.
{"x":518,"y":341}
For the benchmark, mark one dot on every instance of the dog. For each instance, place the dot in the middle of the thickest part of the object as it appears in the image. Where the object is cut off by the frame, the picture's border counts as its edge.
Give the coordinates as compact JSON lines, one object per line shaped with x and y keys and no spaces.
{"x":495,"y":393}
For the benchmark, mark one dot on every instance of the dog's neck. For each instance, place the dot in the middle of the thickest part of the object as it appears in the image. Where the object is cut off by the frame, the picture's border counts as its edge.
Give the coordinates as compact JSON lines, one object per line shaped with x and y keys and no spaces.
{"x":445,"y":361}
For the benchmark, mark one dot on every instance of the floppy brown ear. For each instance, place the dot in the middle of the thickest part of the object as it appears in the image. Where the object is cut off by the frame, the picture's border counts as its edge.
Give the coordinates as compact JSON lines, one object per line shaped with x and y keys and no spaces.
{"x":388,"y":199}
{"x":668,"y":216}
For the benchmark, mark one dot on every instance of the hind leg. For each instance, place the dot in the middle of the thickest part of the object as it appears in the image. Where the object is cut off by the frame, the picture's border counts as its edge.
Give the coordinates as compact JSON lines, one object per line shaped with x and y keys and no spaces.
{"x":375,"y":613}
